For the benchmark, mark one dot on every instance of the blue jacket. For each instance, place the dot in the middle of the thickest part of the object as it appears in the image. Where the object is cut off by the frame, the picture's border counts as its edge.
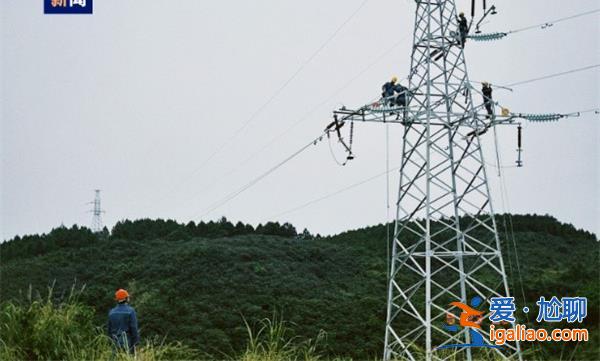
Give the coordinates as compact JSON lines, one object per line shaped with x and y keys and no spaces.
{"x":402,"y":91}
{"x":387,"y":90}
{"x":123,"y":326}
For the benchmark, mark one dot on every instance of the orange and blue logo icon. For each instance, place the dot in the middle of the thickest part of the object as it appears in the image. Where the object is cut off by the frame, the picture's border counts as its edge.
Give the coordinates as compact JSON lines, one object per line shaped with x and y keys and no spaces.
{"x":470,"y":319}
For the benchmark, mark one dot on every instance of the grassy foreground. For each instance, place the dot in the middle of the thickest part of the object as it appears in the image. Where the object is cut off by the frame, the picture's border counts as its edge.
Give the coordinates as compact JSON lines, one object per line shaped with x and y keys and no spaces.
{"x":42,"y":329}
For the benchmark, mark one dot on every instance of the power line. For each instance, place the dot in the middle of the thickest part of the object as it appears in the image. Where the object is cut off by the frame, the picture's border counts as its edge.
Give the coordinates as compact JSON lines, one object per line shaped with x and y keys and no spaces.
{"x":542,"y":26}
{"x":387,"y":202}
{"x":553,"y":75}
{"x":329,"y":195}
{"x":336,"y":92}
{"x":268,"y":102}
{"x":306,"y":115}
{"x":231,"y":196}
{"x":506,"y":205}
{"x":546,"y":24}
{"x":270,"y":99}
{"x":595,"y":110}
{"x":279,"y":90}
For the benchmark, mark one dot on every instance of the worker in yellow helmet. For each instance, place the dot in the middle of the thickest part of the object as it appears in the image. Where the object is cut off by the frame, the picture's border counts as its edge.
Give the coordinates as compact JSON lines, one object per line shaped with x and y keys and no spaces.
{"x":395,"y":96}
{"x":122,"y":323}
{"x":388,"y":89}
{"x":392,"y":88}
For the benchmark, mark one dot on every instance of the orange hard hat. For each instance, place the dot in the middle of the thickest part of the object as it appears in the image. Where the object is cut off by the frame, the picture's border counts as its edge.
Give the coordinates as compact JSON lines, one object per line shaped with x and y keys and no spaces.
{"x":121,"y":294}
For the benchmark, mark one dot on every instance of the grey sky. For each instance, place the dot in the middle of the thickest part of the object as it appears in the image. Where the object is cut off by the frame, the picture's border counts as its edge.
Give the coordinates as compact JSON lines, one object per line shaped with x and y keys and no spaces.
{"x":135,"y":97}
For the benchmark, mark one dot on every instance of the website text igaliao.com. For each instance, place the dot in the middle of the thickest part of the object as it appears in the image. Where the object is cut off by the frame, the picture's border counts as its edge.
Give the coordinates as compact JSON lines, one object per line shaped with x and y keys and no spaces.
{"x":522,"y":333}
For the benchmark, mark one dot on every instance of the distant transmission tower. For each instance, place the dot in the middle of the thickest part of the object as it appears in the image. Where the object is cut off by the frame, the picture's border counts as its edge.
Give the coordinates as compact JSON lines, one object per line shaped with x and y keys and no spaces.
{"x":445,"y":245}
{"x":96,"y":213}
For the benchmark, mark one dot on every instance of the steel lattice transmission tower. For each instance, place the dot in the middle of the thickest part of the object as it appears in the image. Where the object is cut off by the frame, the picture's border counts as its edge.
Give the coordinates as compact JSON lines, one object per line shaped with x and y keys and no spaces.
{"x":96,"y":213}
{"x":445,"y":246}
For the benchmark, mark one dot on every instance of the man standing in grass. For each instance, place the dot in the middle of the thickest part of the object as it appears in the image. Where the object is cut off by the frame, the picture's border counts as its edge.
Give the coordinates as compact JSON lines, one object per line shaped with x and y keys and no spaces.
{"x":122,"y":323}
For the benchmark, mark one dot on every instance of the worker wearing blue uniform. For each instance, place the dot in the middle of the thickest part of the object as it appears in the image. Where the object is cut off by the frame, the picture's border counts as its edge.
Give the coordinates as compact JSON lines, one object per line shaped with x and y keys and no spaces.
{"x":122,"y":323}
{"x":389,"y":89}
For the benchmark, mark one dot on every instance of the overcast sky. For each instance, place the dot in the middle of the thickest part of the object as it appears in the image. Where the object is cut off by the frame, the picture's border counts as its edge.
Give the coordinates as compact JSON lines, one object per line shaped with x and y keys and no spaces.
{"x":134,"y":98}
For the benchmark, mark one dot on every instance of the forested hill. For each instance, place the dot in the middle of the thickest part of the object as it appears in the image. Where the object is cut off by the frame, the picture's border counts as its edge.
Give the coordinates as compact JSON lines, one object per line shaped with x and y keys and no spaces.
{"x":194,"y":282}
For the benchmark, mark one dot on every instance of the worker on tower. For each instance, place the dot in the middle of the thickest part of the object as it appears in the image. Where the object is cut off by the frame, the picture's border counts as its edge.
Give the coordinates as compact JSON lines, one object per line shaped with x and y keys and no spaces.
{"x":402,"y":95}
{"x":486,"y":90}
{"x":122,"y":323}
{"x":390,"y":89}
{"x":463,"y":29}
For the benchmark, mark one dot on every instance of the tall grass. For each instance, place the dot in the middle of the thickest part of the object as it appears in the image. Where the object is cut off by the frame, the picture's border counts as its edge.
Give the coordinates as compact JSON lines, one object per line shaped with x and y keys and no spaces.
{"x":44,"y":329}
{"x":270,"y":340}
{"x":47,"y":329}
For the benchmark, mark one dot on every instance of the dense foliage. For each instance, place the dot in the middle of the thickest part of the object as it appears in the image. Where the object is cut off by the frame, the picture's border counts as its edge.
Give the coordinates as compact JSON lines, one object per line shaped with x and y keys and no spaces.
{"x":194,"y":283}
{"x":138,"y":230}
